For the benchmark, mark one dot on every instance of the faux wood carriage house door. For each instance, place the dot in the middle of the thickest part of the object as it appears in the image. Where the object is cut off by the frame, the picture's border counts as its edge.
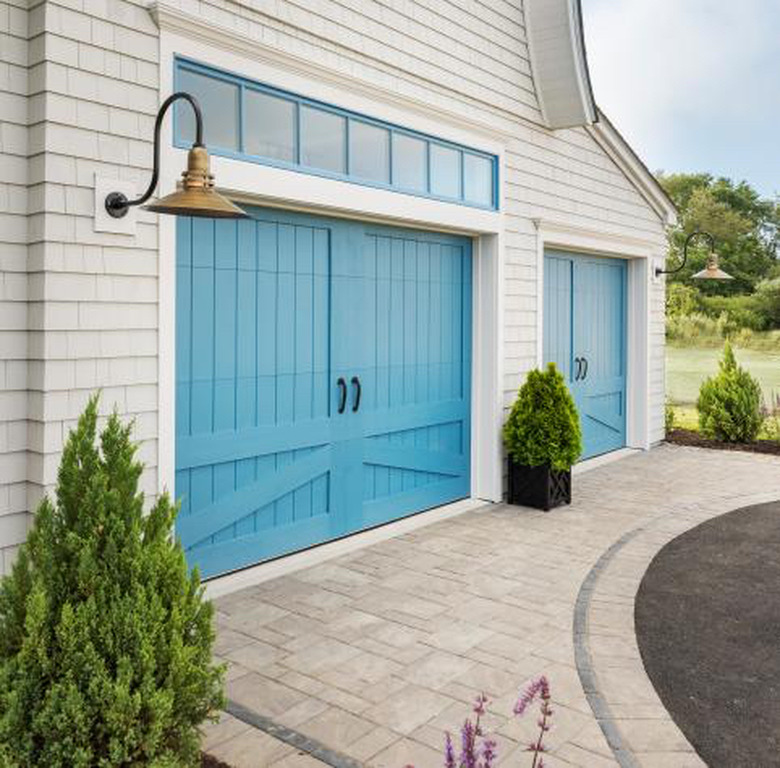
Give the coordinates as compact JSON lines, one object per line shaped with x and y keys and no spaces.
{"x":323,"y":381}
{"x":585,"y":336}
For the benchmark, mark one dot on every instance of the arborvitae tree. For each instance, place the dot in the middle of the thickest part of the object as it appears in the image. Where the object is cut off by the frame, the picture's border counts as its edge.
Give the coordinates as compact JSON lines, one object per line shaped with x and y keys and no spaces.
{"x":730,"y":403}
{"x":544,"y":426}
{"x":105,"y":638}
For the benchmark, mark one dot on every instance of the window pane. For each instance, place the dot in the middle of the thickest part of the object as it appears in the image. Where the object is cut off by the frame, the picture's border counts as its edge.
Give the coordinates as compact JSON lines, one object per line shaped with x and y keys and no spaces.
{"x":409,"y":163}
{"x":322,"y":140}
{"x":219,"y":103}
{"x":478,"y":181}
{"x":369,"y":151}
{"x":445,"y":171}
{"x":269,"y":126}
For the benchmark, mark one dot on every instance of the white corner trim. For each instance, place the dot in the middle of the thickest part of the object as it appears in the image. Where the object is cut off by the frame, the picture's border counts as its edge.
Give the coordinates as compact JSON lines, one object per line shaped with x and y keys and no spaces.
{"x":616,"y":148}
{"x":195,"y":28}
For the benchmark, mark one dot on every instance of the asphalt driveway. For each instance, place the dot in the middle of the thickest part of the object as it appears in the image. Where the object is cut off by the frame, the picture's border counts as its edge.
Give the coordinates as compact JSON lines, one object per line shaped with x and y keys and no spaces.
{"x":708,"y":625}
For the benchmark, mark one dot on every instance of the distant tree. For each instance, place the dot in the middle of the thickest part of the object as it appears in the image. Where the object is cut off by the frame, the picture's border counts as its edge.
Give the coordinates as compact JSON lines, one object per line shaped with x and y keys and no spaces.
{"x":682,"y":299}
{"x":745,"y":225}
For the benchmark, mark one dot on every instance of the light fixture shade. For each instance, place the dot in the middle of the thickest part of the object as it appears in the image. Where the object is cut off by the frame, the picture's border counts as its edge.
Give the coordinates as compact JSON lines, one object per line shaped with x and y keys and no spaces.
{"x":195,"y":194}
{"x":712,"y":272}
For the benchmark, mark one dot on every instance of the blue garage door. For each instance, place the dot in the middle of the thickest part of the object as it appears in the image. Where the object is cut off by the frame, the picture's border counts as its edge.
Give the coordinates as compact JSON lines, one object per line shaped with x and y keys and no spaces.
{"x":323,"y":381}
{"x":585,"y":336}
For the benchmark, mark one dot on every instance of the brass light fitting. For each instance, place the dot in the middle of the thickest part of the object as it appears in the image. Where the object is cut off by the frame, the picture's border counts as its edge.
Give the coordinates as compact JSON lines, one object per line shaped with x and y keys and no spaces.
{"x":710,"y":272}
{"x":195,"y":194}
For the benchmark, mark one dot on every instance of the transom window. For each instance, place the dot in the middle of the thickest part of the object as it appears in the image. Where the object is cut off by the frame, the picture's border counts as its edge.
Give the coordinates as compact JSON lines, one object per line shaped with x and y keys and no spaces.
{"x":254,"y":122}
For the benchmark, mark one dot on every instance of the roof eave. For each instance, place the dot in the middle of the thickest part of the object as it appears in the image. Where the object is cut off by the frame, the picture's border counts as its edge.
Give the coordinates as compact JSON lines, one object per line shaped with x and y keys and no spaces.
{"x":621,"y":153}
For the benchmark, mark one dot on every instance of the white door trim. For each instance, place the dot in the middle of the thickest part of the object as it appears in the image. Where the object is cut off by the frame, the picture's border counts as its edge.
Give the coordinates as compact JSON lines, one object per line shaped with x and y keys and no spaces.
{"x":267,"y":186}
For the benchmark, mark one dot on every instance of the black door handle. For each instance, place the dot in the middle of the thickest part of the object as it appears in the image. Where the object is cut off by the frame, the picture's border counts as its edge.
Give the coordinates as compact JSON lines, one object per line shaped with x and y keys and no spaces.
{"x":585,"y":372}
{"x":577,"y":368}
{"x":342,"y":384}
{"x":358,"y":392}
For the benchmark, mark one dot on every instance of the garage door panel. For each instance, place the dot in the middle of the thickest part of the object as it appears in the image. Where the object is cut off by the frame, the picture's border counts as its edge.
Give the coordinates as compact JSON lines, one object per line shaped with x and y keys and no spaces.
{"x":382,"y":509}
{"x":271,"y":312}
{"x":413,"y":426}
{"x":231,"y":505}
{"x":252,"y":380}
{"x":415,"y":459}
{"x":585,"y":321}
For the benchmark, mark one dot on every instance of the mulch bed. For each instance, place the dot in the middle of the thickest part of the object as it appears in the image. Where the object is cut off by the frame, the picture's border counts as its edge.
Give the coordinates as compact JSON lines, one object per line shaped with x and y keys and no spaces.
{"x":708,"y":621}
{"x":207,"y":761}
{"x":697,"y":440}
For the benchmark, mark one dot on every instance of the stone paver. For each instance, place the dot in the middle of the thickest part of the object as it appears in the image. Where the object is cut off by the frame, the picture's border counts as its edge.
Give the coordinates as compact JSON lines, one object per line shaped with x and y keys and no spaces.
{"x":377,"y":652}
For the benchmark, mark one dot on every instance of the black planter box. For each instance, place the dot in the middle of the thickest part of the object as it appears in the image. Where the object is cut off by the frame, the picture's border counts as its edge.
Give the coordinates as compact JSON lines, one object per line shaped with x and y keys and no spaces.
{"x":539,"y":487}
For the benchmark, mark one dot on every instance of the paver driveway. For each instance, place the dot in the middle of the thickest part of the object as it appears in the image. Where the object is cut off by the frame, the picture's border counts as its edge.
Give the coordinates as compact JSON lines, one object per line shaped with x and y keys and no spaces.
{"x":371,"y":656}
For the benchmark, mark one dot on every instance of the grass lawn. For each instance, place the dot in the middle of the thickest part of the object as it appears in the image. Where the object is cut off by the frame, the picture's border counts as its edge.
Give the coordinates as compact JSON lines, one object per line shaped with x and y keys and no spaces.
{"x":687,"y":367}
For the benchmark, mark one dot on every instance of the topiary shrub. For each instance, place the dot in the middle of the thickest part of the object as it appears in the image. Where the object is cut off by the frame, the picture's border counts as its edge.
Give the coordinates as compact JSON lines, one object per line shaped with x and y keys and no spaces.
{"x":105,"y":639}
{"x":543,"y":428}
{"x":729,"y":403}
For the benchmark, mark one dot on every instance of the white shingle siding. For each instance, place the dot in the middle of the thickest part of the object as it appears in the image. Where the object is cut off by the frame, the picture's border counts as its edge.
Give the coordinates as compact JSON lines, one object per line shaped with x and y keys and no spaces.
{"x":79,"y":88}
{"x":78,"y":94}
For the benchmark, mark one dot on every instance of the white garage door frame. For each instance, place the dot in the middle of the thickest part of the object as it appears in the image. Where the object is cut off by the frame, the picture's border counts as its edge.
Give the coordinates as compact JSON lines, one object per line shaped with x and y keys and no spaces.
{"x":641,"y":255}
{"x":272,"y":187}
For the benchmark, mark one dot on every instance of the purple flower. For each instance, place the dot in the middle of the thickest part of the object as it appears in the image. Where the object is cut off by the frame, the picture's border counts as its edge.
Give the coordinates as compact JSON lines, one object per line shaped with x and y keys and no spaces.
{"x":449,"y":753}
{"x":539,"y":687}
{"x":476,"y":751}
{"x":479,"y":704}
{"x":488,"y":753}
{"x":468,"y":755}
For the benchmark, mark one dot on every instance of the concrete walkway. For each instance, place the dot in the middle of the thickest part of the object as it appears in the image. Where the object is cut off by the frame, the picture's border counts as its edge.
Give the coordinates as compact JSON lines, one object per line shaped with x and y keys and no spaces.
{"x":370,"y":657}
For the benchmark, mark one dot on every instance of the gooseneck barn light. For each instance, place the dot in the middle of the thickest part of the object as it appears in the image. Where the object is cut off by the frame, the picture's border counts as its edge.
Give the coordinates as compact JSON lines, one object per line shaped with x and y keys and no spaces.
{"x":195,"y":194}
{"x":710,"y":272}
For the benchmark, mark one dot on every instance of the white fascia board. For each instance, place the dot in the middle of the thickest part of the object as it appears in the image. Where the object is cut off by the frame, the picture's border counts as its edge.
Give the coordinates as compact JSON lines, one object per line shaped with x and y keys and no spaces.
{"x":634,"y":170}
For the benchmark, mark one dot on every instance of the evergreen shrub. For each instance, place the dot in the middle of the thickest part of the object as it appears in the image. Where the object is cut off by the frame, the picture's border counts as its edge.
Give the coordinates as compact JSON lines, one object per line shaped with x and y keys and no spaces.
{"x":105,"y":638}
{"x":543,"y":428}
{"x":729,"y":403}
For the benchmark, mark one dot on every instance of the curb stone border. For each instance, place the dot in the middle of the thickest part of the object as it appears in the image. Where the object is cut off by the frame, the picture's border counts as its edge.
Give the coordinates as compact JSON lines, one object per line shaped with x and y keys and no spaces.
{"x":584,"y":662}
{"x":683,"y":519}
{"x":289,"y":736}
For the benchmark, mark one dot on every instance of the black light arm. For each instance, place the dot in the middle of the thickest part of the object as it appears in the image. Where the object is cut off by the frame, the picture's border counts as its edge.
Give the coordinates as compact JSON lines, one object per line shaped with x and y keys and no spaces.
{"x":117,"y":203}
{"x":696,"y":233}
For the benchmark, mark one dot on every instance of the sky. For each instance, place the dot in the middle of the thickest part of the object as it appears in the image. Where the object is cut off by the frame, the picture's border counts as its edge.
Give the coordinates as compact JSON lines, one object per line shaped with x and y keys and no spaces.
{"x":693,"y":85}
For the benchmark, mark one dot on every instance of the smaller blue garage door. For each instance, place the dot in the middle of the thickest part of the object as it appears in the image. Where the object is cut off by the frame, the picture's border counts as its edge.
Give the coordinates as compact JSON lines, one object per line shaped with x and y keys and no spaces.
{"x":323,"y":381}
{"x":585,"y":336}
